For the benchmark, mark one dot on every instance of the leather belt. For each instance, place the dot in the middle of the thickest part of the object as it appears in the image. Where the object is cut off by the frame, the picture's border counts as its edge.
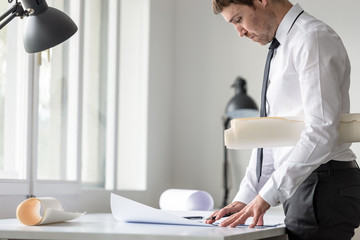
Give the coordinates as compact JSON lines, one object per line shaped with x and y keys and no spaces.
{"x":333,"y":165}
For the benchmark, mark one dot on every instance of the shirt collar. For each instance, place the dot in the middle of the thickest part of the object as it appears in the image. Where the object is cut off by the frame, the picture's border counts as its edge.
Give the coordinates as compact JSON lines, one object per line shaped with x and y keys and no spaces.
{"x":287,"y":22}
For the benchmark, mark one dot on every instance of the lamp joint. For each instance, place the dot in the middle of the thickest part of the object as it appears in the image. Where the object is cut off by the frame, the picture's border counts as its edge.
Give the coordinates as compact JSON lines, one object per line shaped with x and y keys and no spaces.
{"x":19,"y":10}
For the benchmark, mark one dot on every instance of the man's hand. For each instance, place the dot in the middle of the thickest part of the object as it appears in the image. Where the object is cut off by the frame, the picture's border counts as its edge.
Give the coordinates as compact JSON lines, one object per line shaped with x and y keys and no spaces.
{"x":231,"y":208}
{"x":256,"y":209}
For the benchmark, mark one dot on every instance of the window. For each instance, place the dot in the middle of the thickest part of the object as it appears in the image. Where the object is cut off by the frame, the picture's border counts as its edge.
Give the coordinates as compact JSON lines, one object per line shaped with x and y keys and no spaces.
{"x":134,"y":39}
{"x":75,"y":115}
{"x":94,"y":93}
{"x":13,"y":105}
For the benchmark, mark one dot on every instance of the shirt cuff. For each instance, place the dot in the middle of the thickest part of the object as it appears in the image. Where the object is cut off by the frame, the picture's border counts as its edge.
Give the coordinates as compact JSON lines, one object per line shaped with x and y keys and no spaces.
{"x":244,"y":196}
{"x":271,"y":194}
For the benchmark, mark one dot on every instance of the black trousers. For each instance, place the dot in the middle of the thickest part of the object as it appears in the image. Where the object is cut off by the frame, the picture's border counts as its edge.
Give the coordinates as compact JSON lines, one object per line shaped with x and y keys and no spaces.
{"x":326,"y":206}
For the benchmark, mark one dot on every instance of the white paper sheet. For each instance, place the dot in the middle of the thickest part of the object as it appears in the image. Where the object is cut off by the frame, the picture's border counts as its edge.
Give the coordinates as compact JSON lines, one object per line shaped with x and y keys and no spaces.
{"x":29,"y":211}
{"x":186,"y":200}
{"x":273,"y":217}
{"x":127,"y":210}
{"x":247,"y":133}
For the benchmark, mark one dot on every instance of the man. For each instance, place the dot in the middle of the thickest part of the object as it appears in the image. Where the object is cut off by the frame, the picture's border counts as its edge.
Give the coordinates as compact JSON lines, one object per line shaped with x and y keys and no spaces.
{"x":317,"y":180}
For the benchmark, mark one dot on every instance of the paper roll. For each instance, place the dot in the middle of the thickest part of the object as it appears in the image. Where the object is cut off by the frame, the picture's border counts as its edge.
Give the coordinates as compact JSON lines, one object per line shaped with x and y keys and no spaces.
{"x":186,"y":200}
{"x":37,"y":211}
{"x":246,"y":133}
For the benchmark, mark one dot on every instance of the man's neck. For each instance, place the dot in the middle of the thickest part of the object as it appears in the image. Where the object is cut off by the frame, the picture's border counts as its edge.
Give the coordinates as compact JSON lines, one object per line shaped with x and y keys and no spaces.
{"x":281,"y":9}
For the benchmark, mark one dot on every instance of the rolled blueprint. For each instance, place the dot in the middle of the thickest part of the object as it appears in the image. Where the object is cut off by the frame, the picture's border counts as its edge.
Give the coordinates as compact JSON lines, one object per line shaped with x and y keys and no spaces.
{"x":246,"y":133}
{"x":186,"y":200}
{"x":45,"y":210}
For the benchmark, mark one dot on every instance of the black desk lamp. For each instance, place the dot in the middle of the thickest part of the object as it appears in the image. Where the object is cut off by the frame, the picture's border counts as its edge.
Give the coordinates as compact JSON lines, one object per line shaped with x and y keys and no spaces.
{"x":45,"y":27}
{"x":239,"y":106}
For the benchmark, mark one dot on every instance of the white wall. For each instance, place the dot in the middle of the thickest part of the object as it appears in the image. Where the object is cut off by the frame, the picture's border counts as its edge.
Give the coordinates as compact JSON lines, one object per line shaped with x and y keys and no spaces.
{"x":161,"y":68}
{"x":208,"y":57}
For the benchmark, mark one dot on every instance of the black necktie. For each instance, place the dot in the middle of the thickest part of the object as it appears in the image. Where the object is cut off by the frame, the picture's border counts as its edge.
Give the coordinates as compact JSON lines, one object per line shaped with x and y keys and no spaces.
{"x":274,"y":44}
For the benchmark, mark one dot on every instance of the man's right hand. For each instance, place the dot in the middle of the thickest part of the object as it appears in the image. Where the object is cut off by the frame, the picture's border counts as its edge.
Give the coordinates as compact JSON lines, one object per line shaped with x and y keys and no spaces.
{"x":231,"y":208}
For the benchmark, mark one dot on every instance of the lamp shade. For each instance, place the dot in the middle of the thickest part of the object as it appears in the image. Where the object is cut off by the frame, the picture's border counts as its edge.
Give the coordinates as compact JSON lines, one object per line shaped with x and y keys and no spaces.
{"x":241,"y":105}
{"x":46,"y":27}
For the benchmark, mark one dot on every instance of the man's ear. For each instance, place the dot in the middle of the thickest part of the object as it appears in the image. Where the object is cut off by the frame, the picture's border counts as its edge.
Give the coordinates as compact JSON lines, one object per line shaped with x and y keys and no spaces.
{"x":263,"y":2}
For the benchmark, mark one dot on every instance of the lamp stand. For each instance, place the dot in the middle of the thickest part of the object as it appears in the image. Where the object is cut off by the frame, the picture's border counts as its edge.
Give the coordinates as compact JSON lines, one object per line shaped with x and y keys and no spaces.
{"x":226,"y":121}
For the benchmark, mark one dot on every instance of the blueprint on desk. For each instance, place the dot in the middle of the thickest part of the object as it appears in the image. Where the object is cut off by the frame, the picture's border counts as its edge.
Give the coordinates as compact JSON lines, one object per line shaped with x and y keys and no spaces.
{"x":126,"y":210}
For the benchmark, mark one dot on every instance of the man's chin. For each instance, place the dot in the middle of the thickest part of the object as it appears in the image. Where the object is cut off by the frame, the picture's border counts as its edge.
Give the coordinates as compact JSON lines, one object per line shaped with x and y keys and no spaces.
{"x":261,"y":42}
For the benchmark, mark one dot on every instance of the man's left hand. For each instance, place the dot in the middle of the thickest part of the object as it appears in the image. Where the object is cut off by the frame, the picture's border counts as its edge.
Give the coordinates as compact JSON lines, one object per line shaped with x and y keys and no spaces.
{"x":256,"y":209}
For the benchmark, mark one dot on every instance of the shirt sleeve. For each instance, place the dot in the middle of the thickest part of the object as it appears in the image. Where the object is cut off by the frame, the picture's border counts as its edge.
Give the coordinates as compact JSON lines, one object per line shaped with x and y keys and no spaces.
{"x":321,"y":63}
{"x":249,"y":186}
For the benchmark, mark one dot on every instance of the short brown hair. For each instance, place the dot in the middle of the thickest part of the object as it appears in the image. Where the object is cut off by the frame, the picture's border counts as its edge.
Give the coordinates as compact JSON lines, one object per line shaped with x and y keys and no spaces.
{"x":219,"y":5}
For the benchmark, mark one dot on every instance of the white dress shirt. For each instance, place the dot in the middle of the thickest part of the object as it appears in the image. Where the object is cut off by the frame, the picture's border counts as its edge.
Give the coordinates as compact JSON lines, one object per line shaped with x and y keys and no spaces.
{"x":309,"y":77}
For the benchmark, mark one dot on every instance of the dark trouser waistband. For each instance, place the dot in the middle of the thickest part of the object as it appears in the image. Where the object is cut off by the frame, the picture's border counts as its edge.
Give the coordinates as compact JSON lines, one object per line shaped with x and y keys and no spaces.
{"x":334,"y":165}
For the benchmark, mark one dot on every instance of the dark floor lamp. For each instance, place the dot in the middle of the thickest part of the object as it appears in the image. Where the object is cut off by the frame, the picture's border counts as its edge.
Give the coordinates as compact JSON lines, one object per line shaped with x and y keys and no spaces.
{"x":239,"y":106}
{"x":45,"y":27}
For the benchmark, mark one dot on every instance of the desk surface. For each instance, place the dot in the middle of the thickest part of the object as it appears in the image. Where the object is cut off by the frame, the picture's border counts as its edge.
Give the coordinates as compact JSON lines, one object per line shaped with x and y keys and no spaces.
{"x":105,"y":227}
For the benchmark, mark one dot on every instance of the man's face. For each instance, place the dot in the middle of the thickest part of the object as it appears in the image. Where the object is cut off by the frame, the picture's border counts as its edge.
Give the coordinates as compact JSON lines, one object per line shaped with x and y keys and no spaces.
{"x":256,"y":23}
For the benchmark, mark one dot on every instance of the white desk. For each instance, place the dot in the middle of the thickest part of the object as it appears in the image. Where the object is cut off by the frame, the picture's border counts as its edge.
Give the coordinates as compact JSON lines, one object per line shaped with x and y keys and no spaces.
{"x":105,"y":227}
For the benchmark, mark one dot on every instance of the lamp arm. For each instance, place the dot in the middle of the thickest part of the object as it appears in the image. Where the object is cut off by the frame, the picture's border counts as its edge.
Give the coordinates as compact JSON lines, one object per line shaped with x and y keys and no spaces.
{"x":16,"y":11}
